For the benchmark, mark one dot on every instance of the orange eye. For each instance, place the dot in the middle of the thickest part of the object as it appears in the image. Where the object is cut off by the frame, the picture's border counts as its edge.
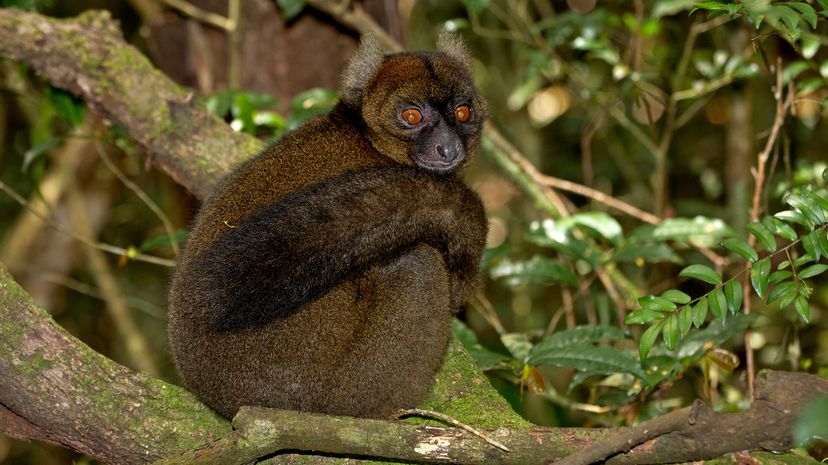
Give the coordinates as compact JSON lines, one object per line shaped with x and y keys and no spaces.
{"x":412,"y":116}
{"x":462,"y":113}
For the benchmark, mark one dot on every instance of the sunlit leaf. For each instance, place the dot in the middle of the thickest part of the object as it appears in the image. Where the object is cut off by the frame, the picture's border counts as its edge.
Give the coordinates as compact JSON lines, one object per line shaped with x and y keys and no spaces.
{"x":792,"y":216}
{"x":702,"y":273}
{"x":517,"y":344}
{"x":537,"y":270}
{"x":599,"y":359}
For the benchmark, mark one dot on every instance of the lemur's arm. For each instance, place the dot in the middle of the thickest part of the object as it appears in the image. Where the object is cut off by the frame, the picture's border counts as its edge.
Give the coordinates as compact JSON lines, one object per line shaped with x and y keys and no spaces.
{"x":291,"y":252}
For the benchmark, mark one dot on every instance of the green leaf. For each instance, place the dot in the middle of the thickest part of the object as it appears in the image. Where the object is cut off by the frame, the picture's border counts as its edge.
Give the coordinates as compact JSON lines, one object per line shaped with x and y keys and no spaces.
{"x":702,"y":273}
{"x":675,"y":295}
{"x":67,"y":106}
{"x":699,"y":312}
{"x":759,"y":275}
{"x":810,"y":247}
{"x":290,"y":8}
{"x":807,"y":11}
{"x":670,"y":332}
{"x":810,"y":420}
{"x":647,"y":340}
{"x":643,"y":315}
{"x":309,"y":104}
{"x":763,"y":235}
{"x":782,"y":291}
{"x":741,"y":247}
{"x":517,"y":344}
{"x":475,"y":6}
{"x":812,"y":271}
{"x":537,"y":270}
{"x":823,"y":69}
{"x":733,"y":295}
{"x":484,"y":358}
{"x":163,"y":240}
{"x":599,"y":222}
{"x":780,"y":228}
{"x":778,"y":276}
{"x":813,"y":238}
{"x":792,"y":216}
{"x":700,"y":231}
{"x":718,"y":304}
{"x":659,"y":304}
{"x":801,"y":306}
{"x":793,"y":69}
{"x":598,"y":359}
{"x":685,"y":321}
{"x":670,"y":7}
{"x":579,"y":335}
{"x":812,"y":213}
{"x":695,"y":345}
{"x":34,"y":153}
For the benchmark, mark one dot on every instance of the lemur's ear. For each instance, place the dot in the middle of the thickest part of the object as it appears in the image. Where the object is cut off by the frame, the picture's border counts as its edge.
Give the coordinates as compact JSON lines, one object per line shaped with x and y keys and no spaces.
{"x":452,"y":45}
{"x":361,"y":68}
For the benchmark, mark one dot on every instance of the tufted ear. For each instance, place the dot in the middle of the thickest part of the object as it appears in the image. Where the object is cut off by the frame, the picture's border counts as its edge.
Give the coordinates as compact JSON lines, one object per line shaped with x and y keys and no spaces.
{"x":452,"y":45}
{"x":361,"y":68}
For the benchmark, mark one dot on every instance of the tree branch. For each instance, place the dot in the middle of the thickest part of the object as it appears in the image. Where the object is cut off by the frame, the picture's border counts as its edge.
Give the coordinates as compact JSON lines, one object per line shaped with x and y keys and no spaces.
{"x":88,"y":56}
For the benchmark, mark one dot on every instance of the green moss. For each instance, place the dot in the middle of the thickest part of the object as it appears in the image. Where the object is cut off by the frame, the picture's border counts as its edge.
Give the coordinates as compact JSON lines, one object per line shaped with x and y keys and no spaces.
{"x":462,"y":392}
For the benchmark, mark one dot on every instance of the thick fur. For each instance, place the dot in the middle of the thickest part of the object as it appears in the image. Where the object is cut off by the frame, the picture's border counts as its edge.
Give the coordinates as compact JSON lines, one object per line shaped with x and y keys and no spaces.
{"x":323,"y":274}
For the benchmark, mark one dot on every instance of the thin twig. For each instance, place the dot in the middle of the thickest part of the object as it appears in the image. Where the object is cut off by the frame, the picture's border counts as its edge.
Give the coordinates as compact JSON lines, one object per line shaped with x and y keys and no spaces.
{"x":234,"y":38}
{"x":168,"y":227}
{"x":132,"y":255}
{"x":204,"y":16}
{"x":598,"y":196}
{"x":449,"y":420}
{"x":782,"y":107}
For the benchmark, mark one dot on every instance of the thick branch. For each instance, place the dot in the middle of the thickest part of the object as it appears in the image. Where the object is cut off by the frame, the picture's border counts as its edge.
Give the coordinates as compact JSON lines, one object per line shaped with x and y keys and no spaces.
{"x":693,"y":433}
{"x":53,"y":387}
{"x":87,"y":56}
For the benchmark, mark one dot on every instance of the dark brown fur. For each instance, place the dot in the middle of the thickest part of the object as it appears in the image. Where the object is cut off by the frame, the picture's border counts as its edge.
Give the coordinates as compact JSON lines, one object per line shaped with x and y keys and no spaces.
{"x":323,"y":274}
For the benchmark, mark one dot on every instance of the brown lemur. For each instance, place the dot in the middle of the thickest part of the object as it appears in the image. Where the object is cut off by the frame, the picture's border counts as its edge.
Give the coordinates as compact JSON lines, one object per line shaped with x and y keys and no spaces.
{"x":322,"y":275}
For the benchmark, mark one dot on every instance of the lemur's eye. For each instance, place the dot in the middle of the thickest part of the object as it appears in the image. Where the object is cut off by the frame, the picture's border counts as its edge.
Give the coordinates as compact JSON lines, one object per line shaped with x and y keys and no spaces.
{"x":412,"y":116}
{"x":462,"y":113}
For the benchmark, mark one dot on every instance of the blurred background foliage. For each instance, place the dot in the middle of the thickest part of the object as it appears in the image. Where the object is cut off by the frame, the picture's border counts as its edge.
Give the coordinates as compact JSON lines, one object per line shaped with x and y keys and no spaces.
{"x":639,"y":129}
